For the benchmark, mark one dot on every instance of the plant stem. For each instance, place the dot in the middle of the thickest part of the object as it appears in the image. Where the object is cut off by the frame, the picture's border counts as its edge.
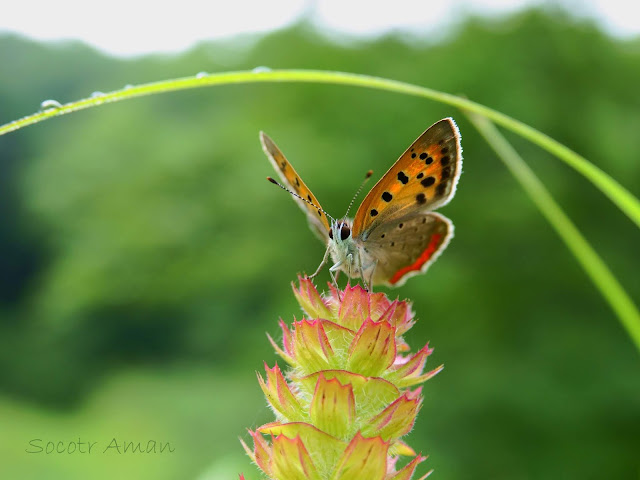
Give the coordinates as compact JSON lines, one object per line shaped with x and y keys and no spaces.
{"x":592,"y":264}
{"x":627,"y":202}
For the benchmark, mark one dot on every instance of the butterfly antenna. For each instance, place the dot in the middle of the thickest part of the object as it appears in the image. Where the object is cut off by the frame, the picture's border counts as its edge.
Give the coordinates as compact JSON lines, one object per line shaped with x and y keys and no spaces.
{"x":275,"y":182}
{"x":366,"y":177}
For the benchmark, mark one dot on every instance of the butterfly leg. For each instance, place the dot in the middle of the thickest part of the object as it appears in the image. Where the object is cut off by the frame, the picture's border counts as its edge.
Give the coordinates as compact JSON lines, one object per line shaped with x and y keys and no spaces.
{"x":335,"y":284}
{"x":350,"y":260}
{"x":334,"y":278}
{"x":322,"y":264}
{"x":364,"y":280}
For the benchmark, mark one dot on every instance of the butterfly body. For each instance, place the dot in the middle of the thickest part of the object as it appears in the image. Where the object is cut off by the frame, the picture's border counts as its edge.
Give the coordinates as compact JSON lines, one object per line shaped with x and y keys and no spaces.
{"x":394,"y":234}
{"x":347,"y":255}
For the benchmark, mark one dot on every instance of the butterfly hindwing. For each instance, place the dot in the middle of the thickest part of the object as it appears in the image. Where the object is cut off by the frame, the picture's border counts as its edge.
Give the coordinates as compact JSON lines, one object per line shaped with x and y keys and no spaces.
{"x":423,"y":178}
{"x":317,"y":219}
{"x":406,"y":247}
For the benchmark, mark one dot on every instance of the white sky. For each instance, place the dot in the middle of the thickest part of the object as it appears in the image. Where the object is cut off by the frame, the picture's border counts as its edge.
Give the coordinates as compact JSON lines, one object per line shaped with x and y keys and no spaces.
{"x":132,"y":27}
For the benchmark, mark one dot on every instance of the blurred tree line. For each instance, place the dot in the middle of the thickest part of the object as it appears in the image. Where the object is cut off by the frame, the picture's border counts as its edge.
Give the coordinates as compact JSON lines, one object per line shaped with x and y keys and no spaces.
{"x":144,"y":232}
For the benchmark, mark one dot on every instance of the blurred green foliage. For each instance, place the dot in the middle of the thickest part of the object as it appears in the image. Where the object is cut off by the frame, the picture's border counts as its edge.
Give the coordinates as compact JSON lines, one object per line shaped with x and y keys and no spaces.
{"x":143,"y":236}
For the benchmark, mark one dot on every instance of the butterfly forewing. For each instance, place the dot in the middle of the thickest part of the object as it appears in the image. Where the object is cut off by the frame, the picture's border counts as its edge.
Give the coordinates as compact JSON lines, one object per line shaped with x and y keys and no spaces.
{"x":423,"y":178}
{"x":317,"y":219}
{"x":406,"y":247}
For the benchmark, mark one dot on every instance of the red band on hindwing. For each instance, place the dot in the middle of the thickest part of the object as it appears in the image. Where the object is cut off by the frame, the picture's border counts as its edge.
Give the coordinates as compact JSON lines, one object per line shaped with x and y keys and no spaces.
{"x":422,"y":259}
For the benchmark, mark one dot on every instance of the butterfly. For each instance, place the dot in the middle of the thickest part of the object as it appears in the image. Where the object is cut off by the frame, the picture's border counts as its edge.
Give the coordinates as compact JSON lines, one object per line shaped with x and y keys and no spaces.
{"x":394,"y":234}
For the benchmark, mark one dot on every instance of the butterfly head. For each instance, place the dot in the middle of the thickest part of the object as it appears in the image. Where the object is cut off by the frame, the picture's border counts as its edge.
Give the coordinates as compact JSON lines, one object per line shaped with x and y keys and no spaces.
{"x":342,"y":248}
{"x":340,"y":231}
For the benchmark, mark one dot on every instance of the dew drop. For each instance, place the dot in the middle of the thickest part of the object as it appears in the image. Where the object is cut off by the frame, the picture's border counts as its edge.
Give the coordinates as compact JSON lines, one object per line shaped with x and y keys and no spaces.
{"x":202,"y":74}
{"x":98,"y":94}
{"x":261,"y":69}
{"x":128,"y":86}
{"x":48,"y":105}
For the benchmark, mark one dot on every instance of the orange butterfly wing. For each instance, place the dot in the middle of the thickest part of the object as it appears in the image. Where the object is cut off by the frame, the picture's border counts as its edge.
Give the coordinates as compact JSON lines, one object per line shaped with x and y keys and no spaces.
{"x":423,"y":178}
{"x":317,"y":219}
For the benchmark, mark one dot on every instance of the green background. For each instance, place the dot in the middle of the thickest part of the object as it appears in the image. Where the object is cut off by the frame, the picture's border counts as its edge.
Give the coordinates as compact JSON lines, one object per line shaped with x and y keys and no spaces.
{"x":144,"y":256}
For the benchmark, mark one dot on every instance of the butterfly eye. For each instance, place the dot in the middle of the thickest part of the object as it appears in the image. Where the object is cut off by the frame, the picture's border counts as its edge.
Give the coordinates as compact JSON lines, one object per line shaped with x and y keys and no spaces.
{"x":345,"y":231}
{"x":331,"y":233}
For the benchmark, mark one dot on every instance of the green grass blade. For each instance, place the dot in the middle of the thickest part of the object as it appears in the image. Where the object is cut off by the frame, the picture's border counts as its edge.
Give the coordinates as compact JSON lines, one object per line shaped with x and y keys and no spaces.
{"x":593,"y":265}
{"x":627,"y":202}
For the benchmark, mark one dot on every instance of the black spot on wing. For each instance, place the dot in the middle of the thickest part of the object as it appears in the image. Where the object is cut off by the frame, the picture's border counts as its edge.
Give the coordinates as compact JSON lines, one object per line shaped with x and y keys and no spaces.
{"x":427,"y":182}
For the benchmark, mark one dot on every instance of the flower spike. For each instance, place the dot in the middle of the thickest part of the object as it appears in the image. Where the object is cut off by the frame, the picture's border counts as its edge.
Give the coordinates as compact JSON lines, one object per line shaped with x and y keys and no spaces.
{"x":343,"y":406}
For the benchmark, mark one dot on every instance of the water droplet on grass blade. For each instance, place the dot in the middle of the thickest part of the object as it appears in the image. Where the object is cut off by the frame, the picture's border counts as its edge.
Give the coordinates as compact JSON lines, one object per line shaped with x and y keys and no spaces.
{"x":97,"y":94}
{"x":202,"y":74}
{"x":261,"y":69}
{"x":48,"y":105}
